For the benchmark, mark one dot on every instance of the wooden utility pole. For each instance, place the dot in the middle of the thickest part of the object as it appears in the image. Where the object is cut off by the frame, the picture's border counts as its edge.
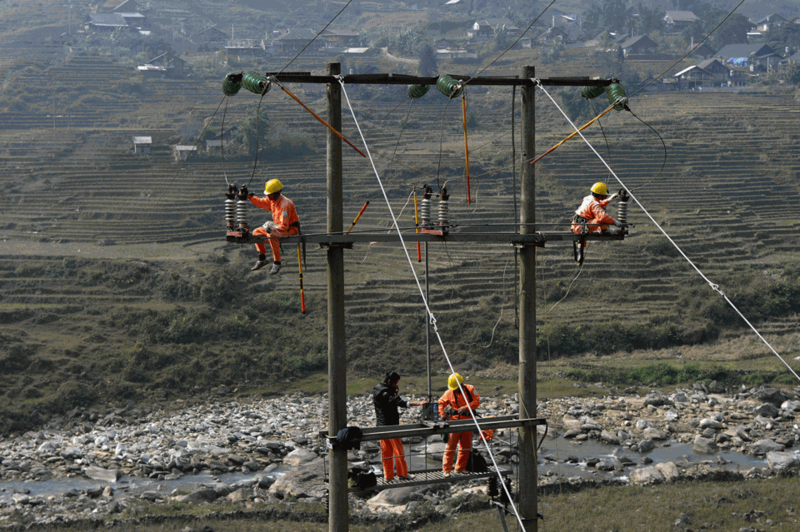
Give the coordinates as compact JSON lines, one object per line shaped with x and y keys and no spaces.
{"x":338,"y":514}
{"x":528,"y":502}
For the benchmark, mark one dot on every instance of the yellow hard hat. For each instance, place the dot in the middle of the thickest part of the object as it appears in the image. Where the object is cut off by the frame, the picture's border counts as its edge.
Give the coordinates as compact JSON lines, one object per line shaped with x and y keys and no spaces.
{"x":600,"y":188}
{"x":454,"y":381}
{"x":273,"y":186}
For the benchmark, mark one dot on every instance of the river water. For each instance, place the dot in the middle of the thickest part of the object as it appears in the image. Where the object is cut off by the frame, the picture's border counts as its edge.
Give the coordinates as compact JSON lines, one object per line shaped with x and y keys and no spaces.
{"x":553,"y":454}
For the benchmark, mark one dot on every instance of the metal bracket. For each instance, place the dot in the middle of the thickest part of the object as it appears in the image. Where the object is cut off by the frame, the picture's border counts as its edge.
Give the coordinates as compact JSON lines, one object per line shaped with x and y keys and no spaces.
{"x":331,"y":245}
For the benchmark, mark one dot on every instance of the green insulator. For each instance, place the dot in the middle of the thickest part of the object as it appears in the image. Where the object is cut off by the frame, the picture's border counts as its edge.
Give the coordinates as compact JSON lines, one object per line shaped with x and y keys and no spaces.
{"x":590,"y":93}
{"x":417,"y":91}
{"x":449,"y":87}
{"x":255,"y":82}
{"x":231,"y":84}
{"x":616,"y":96}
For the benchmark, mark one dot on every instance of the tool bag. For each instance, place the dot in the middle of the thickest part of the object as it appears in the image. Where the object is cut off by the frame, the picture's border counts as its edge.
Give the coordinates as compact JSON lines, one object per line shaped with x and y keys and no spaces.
{"x":358,"y":477}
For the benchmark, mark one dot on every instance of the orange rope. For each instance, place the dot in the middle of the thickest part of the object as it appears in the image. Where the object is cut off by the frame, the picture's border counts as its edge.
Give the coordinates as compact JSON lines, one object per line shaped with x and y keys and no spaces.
{"x":416,"y":223}
{"x":321,"y":120}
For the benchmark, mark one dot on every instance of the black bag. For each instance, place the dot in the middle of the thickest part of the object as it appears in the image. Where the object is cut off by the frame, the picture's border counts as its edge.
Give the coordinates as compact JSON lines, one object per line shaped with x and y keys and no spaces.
{"x":349,"y":438}
{"x":361,"y":478}
{"x":476,"y":462}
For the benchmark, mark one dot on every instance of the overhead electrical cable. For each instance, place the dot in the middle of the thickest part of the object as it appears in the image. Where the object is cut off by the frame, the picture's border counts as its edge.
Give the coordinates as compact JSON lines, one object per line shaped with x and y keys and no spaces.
{"x":714,"y":287}
{"x":429,"y":313}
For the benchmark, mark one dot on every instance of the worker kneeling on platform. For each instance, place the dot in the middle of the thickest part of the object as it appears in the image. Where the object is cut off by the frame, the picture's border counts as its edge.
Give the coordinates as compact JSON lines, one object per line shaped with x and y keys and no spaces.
{"x":285,"y":222}
{"x":452,"y":405}
{"x":386,"y":398}
{"x":591,"y":216}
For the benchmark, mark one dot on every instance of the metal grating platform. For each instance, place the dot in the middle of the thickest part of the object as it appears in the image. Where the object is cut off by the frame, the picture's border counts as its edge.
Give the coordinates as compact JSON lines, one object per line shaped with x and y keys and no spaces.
{"x":432,"y":476}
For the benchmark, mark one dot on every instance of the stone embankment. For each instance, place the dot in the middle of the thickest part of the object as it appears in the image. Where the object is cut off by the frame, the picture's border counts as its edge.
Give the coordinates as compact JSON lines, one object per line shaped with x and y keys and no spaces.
{"x":275,"y":444}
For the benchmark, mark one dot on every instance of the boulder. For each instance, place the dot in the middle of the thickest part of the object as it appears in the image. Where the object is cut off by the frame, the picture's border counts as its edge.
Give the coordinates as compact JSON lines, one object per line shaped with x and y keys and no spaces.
{"x":100,"y":473}
{"x":704,"y":445}
{"x":242,"y":495}
{"x":609,"y":438}
{"x":791,"y":406}
{"x":669,"y":470}
{"x":771,"y":395}
{"x":780,"y":461}
{"x":307,"y":480}
{"x":710,"y":424}
{"x":767,"y":410}
{"x":299,"y":456}
{"x":765,"y":446}
{"x":200,"y":495}
{"x":653,"y":433}
{"x":646,"y":475}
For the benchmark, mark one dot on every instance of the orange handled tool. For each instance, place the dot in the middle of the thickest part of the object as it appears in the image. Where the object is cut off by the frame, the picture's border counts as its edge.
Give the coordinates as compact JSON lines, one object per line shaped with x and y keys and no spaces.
{"x":364,"y":208}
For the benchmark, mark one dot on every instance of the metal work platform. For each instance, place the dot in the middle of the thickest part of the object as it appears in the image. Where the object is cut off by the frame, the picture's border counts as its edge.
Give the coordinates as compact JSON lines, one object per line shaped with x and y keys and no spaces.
{"x":539,"y":238}
{"x":424,"y":477}
{"x":430,"y":428}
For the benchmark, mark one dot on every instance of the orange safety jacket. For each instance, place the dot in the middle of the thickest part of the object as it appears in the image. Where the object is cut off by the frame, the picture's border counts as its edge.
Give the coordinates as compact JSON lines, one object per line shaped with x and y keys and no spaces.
{"x":455,"y":399}
{"x":283,"y":212}
{"x":593,"y":210}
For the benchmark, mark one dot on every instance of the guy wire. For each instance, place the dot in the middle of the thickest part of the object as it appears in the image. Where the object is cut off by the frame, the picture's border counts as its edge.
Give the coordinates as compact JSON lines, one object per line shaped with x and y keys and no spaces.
{"x":315,"y":37}
{"x":662,"y":143}
{"x":222,"y":141}
{"x":258,"y":124}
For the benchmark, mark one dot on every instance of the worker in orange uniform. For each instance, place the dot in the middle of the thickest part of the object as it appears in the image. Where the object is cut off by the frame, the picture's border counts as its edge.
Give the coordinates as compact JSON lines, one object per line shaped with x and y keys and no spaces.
{"x":452,"y":405}
{"x":386,"y":399}
{"x":284,"y":223}
{"x":591,"y":216}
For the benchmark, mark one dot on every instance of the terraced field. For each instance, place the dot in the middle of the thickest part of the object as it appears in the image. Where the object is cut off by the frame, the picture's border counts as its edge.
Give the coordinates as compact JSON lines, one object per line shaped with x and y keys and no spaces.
{"x":727,"y":194}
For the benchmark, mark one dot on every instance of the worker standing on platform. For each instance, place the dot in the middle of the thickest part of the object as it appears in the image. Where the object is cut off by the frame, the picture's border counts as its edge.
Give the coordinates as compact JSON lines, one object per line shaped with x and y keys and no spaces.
{"x":453,"y":406}
{"x":386,"y":398}
{"x":285,"y":222}
{"x":591,"y":216}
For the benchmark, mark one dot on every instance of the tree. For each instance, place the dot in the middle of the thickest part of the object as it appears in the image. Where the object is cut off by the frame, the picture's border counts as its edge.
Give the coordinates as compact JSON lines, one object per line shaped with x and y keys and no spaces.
{"x":651,"y":19}
{"x":784,"y":35}
{"x":611,"y":15}
{"x":252,"y":133}
{"x":427,"y":61}
{"x":732,"y":31}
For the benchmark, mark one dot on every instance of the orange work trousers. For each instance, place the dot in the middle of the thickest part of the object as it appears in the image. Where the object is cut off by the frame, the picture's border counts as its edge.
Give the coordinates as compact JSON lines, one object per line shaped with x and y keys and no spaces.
{"x":392,"y":454}
{"x":275,"y":244}
{"x":455,"y":440}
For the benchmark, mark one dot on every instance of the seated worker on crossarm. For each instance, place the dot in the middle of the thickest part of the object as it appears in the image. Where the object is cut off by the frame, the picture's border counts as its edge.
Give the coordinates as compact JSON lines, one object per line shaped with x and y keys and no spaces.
{"x":285,"y":222}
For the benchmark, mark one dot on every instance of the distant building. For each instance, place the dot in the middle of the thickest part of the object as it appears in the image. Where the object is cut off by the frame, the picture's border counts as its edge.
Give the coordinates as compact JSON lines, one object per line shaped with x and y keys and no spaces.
{"x":119,"y":6}
{"x":639,"y":45}
{"x":294,"y":41}
{"x":212,"y":35}
{"x":106,"y":21}
{"x":181,"y":152}
{"x":340,"y":39}
{"x":770,"y":21}
{"x":748,"y":54}
{"x":678,"y":20}
{"x":169,"y":61}
{"x":703,"y":50}
{"x":485,"y":29}
{"x":142,"y":144}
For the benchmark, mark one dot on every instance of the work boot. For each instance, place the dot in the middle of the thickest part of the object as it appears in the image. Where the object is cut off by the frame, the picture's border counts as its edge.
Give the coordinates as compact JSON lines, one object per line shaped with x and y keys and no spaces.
{"x":276,"y":267}
{"x":446,"y":474}
{"x":260,"y":263}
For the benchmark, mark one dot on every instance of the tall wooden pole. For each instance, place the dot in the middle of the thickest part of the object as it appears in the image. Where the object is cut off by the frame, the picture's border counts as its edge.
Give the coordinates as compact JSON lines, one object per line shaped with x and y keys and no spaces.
{"x":338,"y":518}
{"x":527,"y":315}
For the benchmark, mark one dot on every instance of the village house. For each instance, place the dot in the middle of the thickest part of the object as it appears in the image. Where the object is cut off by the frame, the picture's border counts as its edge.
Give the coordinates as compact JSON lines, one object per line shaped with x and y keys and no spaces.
{"x":748,"y":55}
{"x":678,"y":20}
{"x":169,"y":61}
{"x":142,"y":144}
{"x":638,"y":45}
{"x":709,"y":73}
{"x":703,"y":51}
{"x":212,"y":36}
{"x":182,"y":152}
{"x":105,"y":21}
{"x":486,"y":29}
{"x":340,"y":39}
{"x":245,"y":48}
{"x":293,"y":41}
{"x":770,"y":21}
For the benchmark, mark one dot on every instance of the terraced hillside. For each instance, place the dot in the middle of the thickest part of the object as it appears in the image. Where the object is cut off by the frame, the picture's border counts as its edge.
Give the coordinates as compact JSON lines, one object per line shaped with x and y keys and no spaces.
{"x":727,"y":195}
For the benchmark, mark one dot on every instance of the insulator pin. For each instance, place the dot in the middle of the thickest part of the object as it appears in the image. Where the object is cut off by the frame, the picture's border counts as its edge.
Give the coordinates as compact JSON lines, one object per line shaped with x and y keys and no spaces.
{"x":256,"y":83}
{"x":231,"y":84}
{"x":241,"y":209}
{"x":616,"y":96}
{"x":450,"y":87}
{"x":416,"y":92}
{"x":592,"y":92}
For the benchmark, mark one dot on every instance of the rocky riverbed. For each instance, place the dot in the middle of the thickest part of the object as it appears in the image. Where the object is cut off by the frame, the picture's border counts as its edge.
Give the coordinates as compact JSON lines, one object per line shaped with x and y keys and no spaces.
{"x":249,"y":453}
